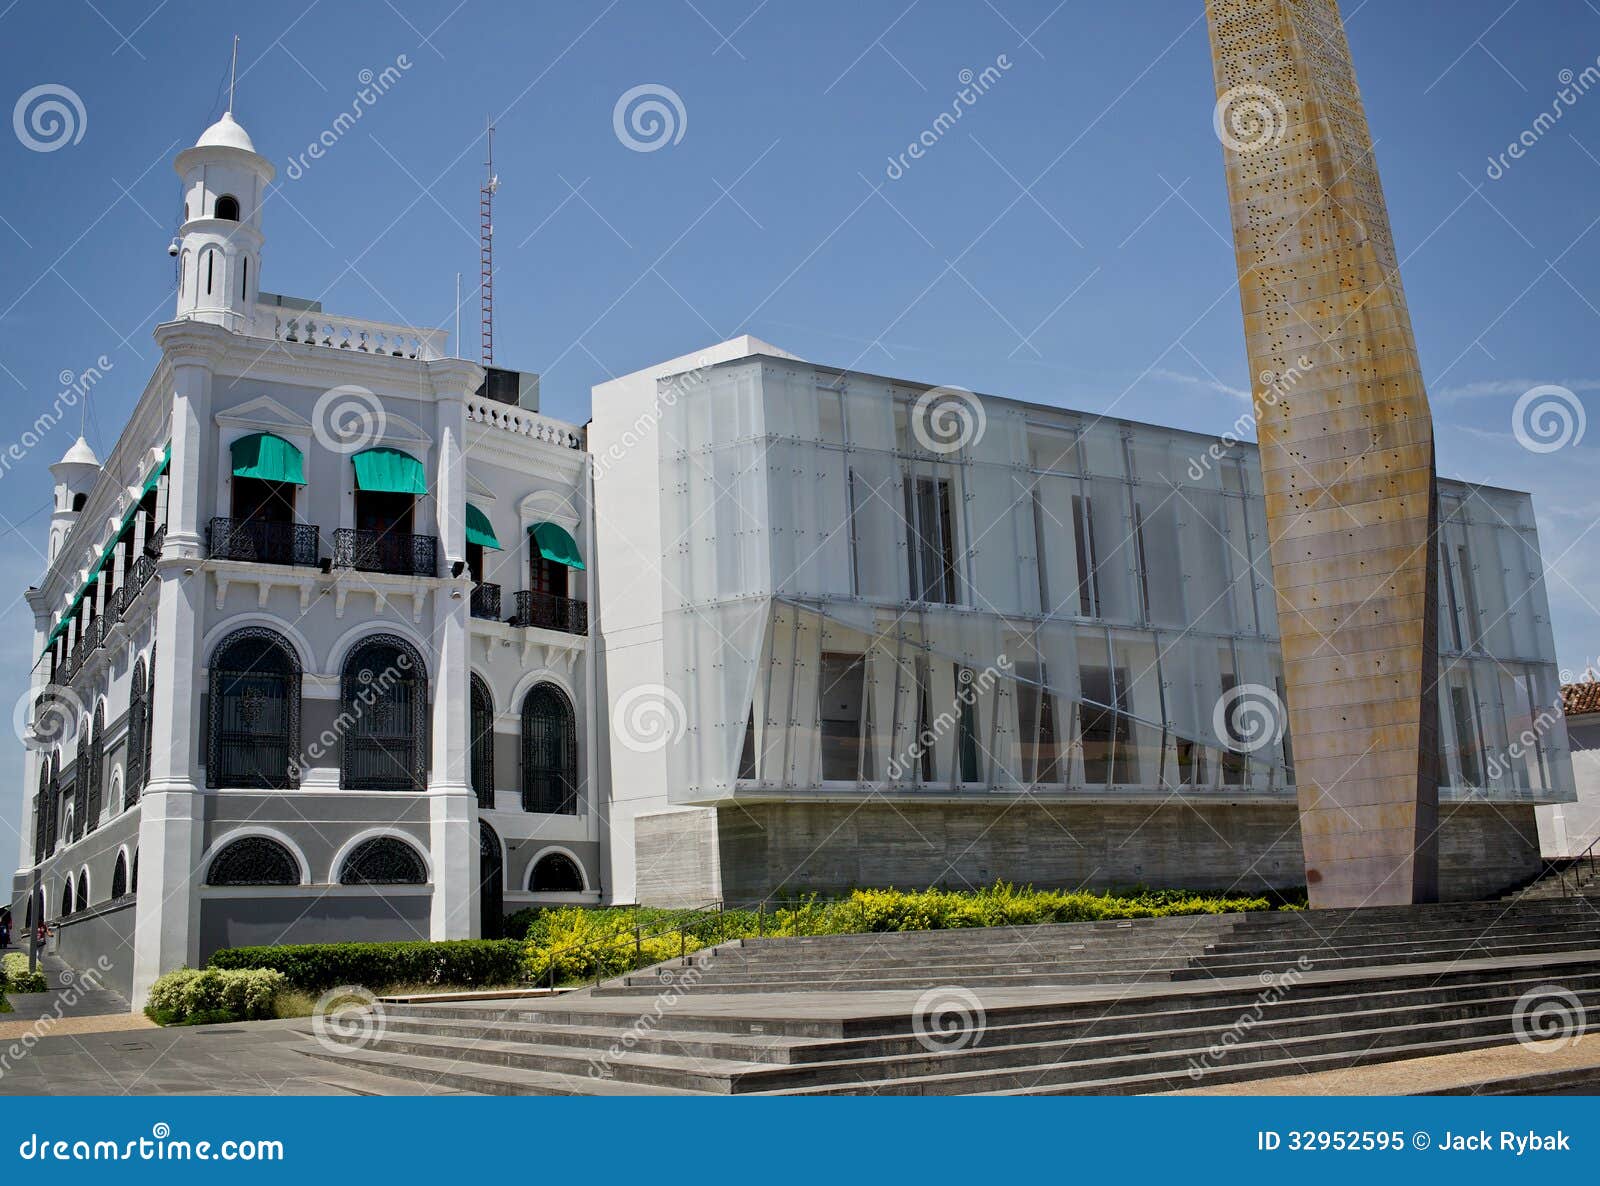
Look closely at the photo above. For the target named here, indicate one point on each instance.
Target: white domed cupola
(74, 476)
(219, 244)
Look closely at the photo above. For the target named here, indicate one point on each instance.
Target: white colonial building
(314, 652)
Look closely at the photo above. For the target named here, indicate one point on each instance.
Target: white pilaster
(166, 934)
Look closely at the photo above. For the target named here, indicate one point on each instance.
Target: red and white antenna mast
(486, 250)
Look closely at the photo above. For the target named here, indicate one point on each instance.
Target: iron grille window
(52, 810)
(119, 878)
(384, 702)
(97, 754)
(149, 732)
(549, 752)
(253, 735)
(138, 706)
(482, 724)
(383, 860)
(265, 541)
(556, 873)
(80, 782)
(41, 804)
(253, 860)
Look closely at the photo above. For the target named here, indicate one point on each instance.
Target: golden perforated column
(1346, 447)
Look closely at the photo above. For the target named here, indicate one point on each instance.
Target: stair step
(478, 1078)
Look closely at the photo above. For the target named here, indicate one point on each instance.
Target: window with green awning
(389, 471)
(556, 545)
(269, 458)
(480, 530)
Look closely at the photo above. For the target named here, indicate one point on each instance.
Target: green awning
(555, 544)
(268, 457)
(479, 529)
(389, 471)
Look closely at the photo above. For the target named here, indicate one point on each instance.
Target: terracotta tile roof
(1581, 698)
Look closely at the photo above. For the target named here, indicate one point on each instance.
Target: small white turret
(219, 244)
(75, 476)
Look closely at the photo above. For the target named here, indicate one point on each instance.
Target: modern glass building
(909, 636)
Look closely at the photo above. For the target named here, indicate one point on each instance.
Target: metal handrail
(680, 925)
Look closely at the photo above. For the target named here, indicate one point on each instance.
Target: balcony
(486, 601)
(265, 543)
(386, 551)
(549, 612)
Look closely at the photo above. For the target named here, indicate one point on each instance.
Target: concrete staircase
(1091, 1008)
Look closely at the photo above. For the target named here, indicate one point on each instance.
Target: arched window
(383, 860)
(253, 739)
(482, 735)
(556, 873)
(211, 268)
(138, 707)
(183, 270)
(244, 280)
(133, 882)
(383, 696)
(66, 898)
(119, 877)
(52, 811)
(228, 208)
(80, 782)
(251, 860)
(150, 722)
(77, 502)
(97, 756)
(83, 889)
(41, 806)
(549, 752)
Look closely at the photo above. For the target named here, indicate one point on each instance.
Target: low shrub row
(192, 996)
(567, 944)
(313, 967)
(18, 978)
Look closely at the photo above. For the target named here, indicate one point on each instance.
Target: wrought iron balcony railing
(386, 551)
(265, 542)
(486, 601)
(550, 612)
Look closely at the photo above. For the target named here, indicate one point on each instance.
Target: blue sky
(1066, 242)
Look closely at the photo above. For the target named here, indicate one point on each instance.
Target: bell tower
(219, 245)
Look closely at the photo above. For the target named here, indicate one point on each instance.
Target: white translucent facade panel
(848, 700)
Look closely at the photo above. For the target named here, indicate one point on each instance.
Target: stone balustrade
(350, 333)
(511, 418)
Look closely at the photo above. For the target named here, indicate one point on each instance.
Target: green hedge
(17, 976)
(465, 963)
(191, 996)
